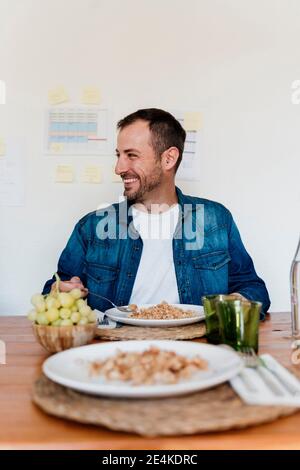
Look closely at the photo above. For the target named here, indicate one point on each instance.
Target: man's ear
(169, 158)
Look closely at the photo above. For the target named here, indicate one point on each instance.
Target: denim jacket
(104, 250)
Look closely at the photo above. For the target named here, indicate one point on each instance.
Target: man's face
(137, 163)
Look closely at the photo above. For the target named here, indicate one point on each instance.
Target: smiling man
(148, 157)
(158, 244)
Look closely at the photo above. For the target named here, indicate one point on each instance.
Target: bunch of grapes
(61, 309)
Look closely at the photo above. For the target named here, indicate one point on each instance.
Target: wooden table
(24, 426)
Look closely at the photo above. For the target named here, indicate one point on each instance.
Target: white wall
(234, 59)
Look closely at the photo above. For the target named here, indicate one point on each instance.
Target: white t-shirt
(156, 279)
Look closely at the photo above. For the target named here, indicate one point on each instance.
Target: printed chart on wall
(12, 173)
(192, 123)
(77, 131)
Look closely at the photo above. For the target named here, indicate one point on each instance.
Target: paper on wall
(91, 174)
(192, 121)
(2, 92)
(189, 168)
(77, 130)
(64, 174)
(12, 174)
(91, 95)
(57, 95)
(56, 147)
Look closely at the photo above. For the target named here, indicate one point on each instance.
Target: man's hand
(240, 296)
(73, 283)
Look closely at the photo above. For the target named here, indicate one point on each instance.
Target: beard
(145, 186)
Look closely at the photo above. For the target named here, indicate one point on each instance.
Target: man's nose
(121, 166)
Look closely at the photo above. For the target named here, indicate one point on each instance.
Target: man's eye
(131, 155)
(117, 155)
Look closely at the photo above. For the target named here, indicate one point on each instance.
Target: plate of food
(143, 369)
(158, 315)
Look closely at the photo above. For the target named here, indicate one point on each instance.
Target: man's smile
(131, 180)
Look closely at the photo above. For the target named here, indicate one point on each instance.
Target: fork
(251, 359)
(122, 309)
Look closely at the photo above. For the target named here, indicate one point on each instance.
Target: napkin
(271, 384)
(104, 322)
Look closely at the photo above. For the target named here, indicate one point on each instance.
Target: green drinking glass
(211, 317)
(238, 322)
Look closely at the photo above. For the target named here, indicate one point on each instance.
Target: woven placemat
(216, 409)
(126, 332)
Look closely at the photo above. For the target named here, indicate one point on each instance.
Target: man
(165, 245)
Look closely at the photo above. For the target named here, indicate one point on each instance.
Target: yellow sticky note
(2, 148)
(64, 174)
(91, 174)
(56, 147)
(192, 121)
(58, 95)
(91, 95)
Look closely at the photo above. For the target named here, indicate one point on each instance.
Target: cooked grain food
(162, 311)
(153, 366)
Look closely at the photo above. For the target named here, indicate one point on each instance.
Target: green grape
(66, 299)
(40, 306)
(32, 315)
(85, 311)
(75, 317)
(80, 303)
(61, 309)
(66, 322)
(42, 319)
(52, 302)
(37, 299)
(52, 314)
(76, 294)
(65, 313)
(92, 317)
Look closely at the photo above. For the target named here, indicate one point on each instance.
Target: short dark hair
(165, 130)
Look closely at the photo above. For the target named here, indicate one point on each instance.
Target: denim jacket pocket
(211, 272)
(100, 280)
(214, 260)
(100, 273)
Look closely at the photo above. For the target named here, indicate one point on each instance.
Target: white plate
(70, 368)
(121, 317)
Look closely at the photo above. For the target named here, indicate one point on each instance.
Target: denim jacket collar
(186, 204)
